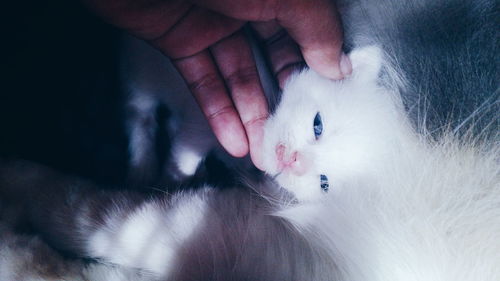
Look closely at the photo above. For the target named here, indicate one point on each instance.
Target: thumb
(316, 27)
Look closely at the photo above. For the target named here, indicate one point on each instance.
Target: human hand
(204, 41)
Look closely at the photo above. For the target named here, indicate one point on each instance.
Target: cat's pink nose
(289, 160)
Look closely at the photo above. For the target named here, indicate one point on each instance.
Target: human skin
(203, 39)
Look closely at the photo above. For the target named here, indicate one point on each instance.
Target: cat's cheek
(304, 188)
(269, 164)
(269, 161)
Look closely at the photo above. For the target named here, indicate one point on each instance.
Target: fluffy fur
(404, 203)
(400, 207)
(363, 125)
(432, 213)
(28, 258)
(413, 210)
(443, 56)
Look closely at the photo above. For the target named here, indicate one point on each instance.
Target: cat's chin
(304, 188)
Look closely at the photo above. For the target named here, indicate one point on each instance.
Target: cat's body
(432, 215)
(402, 204)
(28, 258)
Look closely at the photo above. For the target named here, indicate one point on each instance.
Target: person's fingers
(177, 28)
(315, 26)
(205, 83)
(255, 10)
(282, 51)
(195, 31)
(144, 19)
(237, 66)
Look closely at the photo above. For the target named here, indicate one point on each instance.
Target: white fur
(27, 258)
(149, 237)
(431, 213)
(360, 126)
(400, 207)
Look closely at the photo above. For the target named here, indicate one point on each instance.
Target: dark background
(61, 103)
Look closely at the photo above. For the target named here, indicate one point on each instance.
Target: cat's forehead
(303, 94)
(308, 84)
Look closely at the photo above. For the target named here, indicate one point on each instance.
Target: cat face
(326, 132)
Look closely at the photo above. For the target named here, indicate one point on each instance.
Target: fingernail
(345, 65)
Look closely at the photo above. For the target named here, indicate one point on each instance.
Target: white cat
(373, 199)
(398, 206)
(403, 207)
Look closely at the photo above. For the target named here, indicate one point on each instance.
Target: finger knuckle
(219, 112)
(279, 38)
(255, 120)
(206, 83)
(242, 77)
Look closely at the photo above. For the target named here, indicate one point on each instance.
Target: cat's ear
(366, 63)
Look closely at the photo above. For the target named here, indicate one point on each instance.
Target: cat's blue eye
(317, 125)
(324, 182)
